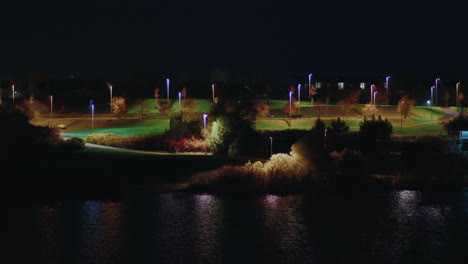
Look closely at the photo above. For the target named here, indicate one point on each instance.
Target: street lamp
(387, 87)
(110, 89)
(310, 78)
(401, 116)
(204, 128)
(212, 91)
(51, 104)
(180, 98)
(271, 146)
(299, 96)
(167, 85)
(13, 93)
(456, 95)
(374, 96)
(436, 81)
(371, 92)
(91, 103)
(432, 95)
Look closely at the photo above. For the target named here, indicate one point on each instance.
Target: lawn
(422, 119)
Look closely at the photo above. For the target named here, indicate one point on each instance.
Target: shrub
(458, 123)
(178, 127)
(338, 126)
(348, 165)
(375, 129)
(164, 106)
(119, 107)
(73, 144)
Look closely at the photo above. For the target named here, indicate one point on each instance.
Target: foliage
(164, 106)
(338, 126)
(143, 107)
(189, 107)
(262, 109)
(405, 105)
(148, 142)
(369, 109)
(458, 123)
(375, 129)
(350, 101)
(119, 107)
(290, 108)
(73, 144)
(178, 127)
(232, 135)
(446, 98)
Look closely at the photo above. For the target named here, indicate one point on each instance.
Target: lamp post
(167, 85)
(375, 96)
(310, 78)
(180, 98)
(51, 109)
(436, 81)
(456, 94)
(204, 128)
(271, 146)
(372, 93)
(299, 96)
(213, 91)
(401, 116)
(290, 107)
(432, 95)
(91, 103)
(387, 87)
(13, 93)
(110, 89)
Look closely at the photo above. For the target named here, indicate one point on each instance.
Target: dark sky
(332, 36)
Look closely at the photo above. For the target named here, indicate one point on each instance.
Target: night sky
(341, 36)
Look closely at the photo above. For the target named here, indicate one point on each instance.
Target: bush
(73, 144)
(348, 166)
(178, 127)
(338, 126)
(375, 129)
(458, 123)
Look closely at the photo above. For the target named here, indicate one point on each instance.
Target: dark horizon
(261, 37)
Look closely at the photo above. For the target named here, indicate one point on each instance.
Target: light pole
(375, 96)
(271, 146)
(401, 116)
(110, 89)
(387, 87)
(204, 128)
(212, 91)
(13, 93)
(51, 109)
(456, 94)
(310, 78)
(91, 103)
(290, 104)
(167, 85)
(180, 98)
(432, 95)
(372, 93)
(436, 81)
(299, 96)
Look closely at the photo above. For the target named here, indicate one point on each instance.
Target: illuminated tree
(350, 101)
(184, 93)
(157, 93)
(189, 106)
(369, 109)
(119, 107)
(143, 106)
(262, 109)
(164, 106)
(290, 108)
(405, 105)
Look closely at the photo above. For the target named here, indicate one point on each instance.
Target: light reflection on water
(403, 227)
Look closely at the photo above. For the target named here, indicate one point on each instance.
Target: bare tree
(405, 105)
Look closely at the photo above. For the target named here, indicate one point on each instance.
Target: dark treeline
(136, 84)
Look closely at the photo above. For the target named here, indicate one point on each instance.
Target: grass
(423, 119)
